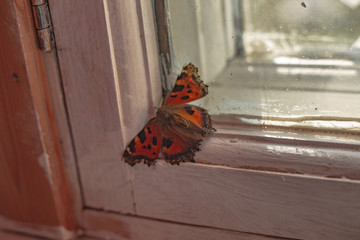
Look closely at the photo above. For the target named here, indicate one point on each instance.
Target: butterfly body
(178, 128)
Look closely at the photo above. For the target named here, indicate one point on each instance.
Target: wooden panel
(161, 14)
(274, 204)
(135, 59)
(37, 230)
(88, 79)
(107, 69)
(34, 192)
(274, 151)
(19, 236)
(112, 226)
(110, 81)
(150, 53)
(13, 236)
(64, 132)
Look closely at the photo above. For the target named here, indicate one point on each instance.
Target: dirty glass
(273, 62)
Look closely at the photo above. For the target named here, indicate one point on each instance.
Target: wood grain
(276, 204)
(33, 186)
(113, 226)
(111, 82)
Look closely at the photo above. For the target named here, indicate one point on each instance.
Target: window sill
(264, 148)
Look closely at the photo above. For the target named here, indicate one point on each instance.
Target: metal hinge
(43, 25)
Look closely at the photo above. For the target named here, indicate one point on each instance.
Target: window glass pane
(273, 62)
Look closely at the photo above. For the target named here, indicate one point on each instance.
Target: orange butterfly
(178, 128)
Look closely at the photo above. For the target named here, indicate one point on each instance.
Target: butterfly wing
(188, 87)
(179, 146)
(178, 128)
(145, 146)
(183, 137)
(196, 118)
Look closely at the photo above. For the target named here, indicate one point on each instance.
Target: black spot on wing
(167, 142)
(189, 110)
(142, 136)
(173, 96)
(178, 88)
(132, 146)
(144, 147)
(185, 97)
(182, 75)
(190, 91)
(149, 146)
(149, 130)
(154, 141)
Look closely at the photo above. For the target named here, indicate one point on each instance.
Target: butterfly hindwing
(180, 146)
(188, 87)
(183, 137)
(145, 146)
(197, 116)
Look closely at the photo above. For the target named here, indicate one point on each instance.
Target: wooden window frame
(35, 197)
(118, 75)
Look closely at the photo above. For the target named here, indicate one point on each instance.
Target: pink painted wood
(269, 186)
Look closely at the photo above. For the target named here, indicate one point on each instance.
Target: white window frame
(267, 182)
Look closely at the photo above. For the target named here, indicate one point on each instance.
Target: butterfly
(178, 128)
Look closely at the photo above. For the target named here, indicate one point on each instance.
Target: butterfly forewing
(145, 146)
(188, 87)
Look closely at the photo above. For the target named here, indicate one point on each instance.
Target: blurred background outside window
(285, 63)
